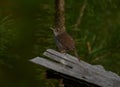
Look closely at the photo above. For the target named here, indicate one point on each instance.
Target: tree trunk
(59, 14)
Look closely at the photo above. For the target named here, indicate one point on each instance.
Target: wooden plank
(71, 61)
(61, 55)
(97, 74)
(58, 59)
(78, 69)
(54, 66)
(60, 68)
(97, 68)
(68, 71)
(52, 54)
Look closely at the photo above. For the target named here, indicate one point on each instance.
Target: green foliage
(25, 34)
(6, 33)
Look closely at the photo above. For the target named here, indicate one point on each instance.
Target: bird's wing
(66, 41)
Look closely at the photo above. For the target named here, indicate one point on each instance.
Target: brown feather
(67, 41)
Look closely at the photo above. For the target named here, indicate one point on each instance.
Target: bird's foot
(63, 51)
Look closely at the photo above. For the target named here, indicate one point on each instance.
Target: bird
(64, 41)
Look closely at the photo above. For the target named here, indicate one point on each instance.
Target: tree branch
(82, 10)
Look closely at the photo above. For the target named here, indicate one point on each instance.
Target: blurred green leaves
(7, 33)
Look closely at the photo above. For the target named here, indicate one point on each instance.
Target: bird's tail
(76, 54)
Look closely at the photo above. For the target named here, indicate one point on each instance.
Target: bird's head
(57, 31)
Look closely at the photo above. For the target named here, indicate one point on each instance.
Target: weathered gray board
(70, 65)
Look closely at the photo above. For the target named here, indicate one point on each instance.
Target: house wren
(64, 41)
